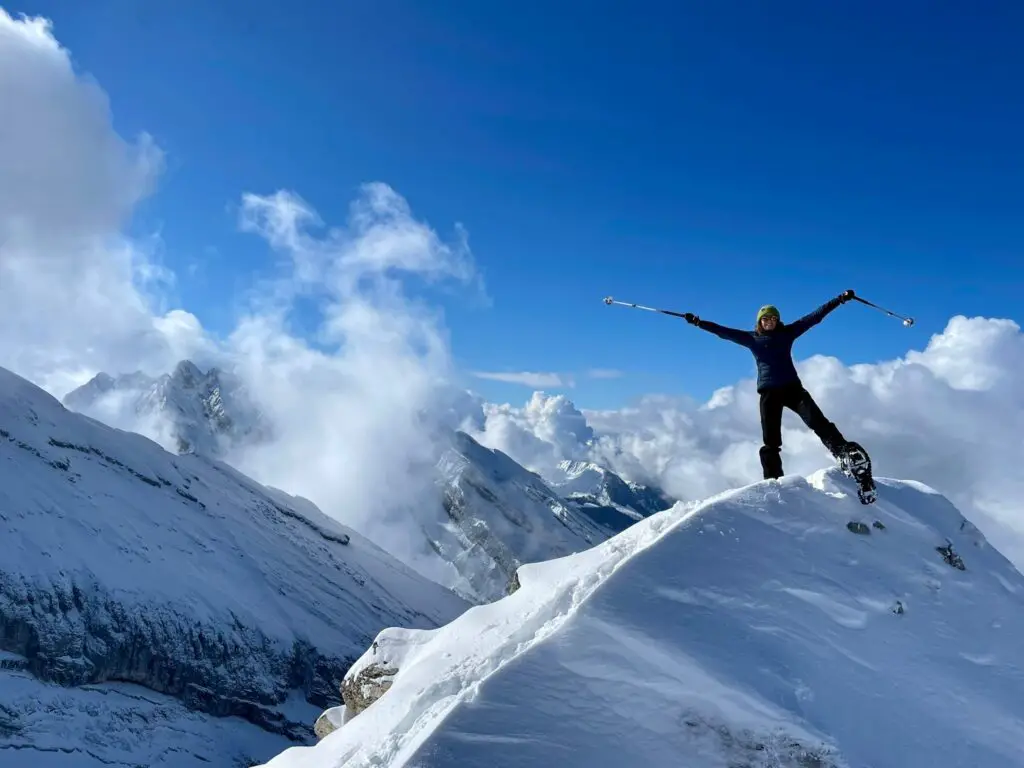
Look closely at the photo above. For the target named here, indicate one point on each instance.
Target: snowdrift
(781, 624)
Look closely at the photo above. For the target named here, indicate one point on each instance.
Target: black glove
(845, 296)
(691, 318)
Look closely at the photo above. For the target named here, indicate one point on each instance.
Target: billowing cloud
(547, 430)
(355, 416)
(75, 295)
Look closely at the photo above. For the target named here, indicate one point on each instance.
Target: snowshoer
(778, 384)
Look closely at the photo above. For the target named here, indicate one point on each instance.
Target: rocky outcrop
(745, 748)
(365, 682)
(329, 721)
(74, 633)
(358, 692)
(371, 682)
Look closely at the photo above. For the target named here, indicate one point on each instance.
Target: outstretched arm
(743, 338)
(802, 325)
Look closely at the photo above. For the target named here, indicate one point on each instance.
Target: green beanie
(767, 309)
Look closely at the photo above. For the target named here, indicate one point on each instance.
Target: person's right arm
(735, 335)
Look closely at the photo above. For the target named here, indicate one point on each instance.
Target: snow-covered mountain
(780, 625)
(604, 496)
(497, 516)
(187, 410)
(162, 590)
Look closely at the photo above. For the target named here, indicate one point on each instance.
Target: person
(778, 383)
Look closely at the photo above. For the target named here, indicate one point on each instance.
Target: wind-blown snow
(124, 562)
(752, 629)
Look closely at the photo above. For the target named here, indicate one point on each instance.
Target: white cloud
(547, 430)
(604, 373)
(355, 417)
(74, 294)
(526, 378)
(950, 415)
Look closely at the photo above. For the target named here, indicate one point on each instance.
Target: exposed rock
(858, 527)
(74, 634)
(513, 583)
(951, 557)
(365, 687)
(747, 749)
(329, 721)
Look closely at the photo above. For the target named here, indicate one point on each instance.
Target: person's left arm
(811, 319)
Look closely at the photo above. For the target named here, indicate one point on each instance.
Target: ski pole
(907, 321)
(609, 300)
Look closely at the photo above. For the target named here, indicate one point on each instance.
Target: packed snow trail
(754, 629)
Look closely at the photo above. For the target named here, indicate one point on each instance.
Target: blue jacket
(773, 351)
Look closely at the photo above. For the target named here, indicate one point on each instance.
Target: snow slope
(754, 629)
(123, 562)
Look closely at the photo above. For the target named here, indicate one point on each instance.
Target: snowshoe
(855, 462)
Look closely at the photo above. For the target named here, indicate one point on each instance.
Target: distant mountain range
(490, 515)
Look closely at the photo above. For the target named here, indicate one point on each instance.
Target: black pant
(796, 398)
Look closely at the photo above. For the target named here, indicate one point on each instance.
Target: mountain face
(780, 625)
(610, 501)
(497, 516)
(205, 413)
(162, 591)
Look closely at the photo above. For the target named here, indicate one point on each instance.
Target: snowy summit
(186, 410)
(780, 625)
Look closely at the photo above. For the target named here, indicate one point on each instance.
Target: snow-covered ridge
(123, 562)
(781, 625)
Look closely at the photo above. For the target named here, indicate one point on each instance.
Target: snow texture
(123, 562)
(761, 628)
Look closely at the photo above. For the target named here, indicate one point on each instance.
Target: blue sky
(696, 156)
